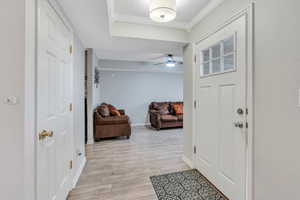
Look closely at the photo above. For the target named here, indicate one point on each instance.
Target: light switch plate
(12, 100)
(299, 98)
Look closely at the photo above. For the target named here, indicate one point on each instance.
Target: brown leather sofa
(111, 126)
(160, 120)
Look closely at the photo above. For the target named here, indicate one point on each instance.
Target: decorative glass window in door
(219, 58)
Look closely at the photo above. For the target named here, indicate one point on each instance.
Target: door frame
(30, 95)
(249, 13)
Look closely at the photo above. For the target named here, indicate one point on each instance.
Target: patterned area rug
(185, 185)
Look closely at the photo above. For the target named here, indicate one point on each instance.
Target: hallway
(119, 169)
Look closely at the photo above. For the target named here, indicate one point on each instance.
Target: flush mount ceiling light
(163, 10)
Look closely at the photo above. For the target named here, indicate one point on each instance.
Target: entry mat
(185, 185)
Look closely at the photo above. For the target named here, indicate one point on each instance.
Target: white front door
(54, 116)
(221, 109)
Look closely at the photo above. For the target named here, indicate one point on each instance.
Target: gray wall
(277, 81)
(12, 79)
(78, 101)
(134, 91)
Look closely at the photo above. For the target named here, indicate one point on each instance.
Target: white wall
(276, 87)
(78, 102)
(12, 79)
(277, 82)
(134, 91)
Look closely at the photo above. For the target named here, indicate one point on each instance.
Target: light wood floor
(119, 169)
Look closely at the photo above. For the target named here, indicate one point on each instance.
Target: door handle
(45, 134)
(239, 124)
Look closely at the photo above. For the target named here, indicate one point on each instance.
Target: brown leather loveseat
(163, 115)
(109, 125)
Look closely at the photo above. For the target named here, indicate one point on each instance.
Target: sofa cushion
(123, 119)
(169, 118)
(180, 117)
(178, 108)
(164, 109)
(103, 110)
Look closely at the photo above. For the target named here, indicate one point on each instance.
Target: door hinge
(71, 49)
(247, 111)
(71, 164)
(247, 125)
(195, 59)
(195, 104)
(195, 149)
(71, 107)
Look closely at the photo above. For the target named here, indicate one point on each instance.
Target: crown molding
(186, 26)
(203, 13)
(147, 21)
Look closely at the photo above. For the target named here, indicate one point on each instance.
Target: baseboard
(140, 124)
(90, 141)
(188, 161)
(79, 171)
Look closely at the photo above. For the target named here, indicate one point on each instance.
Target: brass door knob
(45, 134)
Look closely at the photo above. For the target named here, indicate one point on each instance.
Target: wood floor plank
(119, 169)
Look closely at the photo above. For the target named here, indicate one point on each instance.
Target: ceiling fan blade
(160, 63)
(158, 58)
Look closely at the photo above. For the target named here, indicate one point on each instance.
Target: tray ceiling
(186, 9)
(189, 12)
(122, 30)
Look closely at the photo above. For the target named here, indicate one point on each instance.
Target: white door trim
(30, 88)
(249, 13)
(30, 101)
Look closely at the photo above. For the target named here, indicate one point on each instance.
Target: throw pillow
(103, 111)
(178, 108)
(115, 113)
(111, 107)
(164, 109)
(113, 110)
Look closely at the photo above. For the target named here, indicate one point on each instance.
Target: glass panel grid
(228, 45)
(216, 51)
(216, 66)
(219, 58)
(228, 62)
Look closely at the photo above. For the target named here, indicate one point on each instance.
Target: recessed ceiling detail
(122, 29)
(188, 12)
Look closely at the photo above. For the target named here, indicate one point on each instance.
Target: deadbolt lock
(240, 111)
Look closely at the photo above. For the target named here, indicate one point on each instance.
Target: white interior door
(54, 115)
(221, 111)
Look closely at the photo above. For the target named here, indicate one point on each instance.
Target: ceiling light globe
(163, 10)
(170, 65)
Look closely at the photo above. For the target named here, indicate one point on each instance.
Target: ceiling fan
(170, 61)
